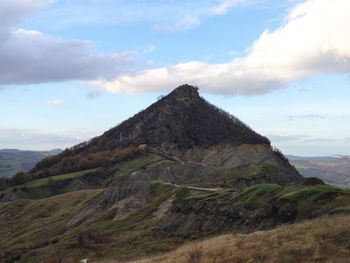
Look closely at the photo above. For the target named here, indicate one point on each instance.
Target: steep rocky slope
(181, 126)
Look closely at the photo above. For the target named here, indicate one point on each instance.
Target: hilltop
(179, 121)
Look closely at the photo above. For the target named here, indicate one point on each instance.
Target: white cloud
(287, 138)
(29, 56)
(225, 6)
(32, 57)
(313, 40)
(301, 138)
(11, 11)
(306, 116)
(55, 102)
(320, 140)
(42, 140)
(185, 23)
(233, 53)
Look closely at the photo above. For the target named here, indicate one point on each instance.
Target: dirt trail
(197, 188)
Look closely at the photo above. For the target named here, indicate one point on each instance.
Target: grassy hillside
(46, 187)
(28, 226)
(86, 179)
(150, 205)
(39, 230)
(325, 239)
(45, 181)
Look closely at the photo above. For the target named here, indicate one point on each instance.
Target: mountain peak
(185, 92)
(181, 119)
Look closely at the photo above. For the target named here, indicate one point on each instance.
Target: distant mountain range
(13, 160)
(334, 169)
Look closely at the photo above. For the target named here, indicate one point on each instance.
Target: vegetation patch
(28, 225)
(181, 194)
(253, 195)
(129, 166)
(45, 181)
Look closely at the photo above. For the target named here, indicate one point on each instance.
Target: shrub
(19, 178)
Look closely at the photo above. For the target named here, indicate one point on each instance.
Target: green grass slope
(86, 179)
(37, 231)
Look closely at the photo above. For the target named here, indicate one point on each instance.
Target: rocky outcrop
(124, 196)
(198, 217)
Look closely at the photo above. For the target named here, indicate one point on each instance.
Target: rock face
(182, 119)
(197, 218)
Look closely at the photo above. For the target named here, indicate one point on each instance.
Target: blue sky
(71, 69)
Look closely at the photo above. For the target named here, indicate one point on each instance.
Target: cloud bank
(12, 11)
(39, 140)
(30, 57)
(311, 41)
(55, 102)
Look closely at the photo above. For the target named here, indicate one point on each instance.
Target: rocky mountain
(13, 160)
(182, 126)
(181, 169)
(334, 170)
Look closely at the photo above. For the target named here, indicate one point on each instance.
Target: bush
(19, 178)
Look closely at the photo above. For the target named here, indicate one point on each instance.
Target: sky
(72, 69)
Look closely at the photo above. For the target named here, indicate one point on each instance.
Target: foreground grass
(325, 239)
(45, 181)
(31, 223)
(37, 230)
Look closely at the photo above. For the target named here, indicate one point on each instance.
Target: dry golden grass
(324, 239)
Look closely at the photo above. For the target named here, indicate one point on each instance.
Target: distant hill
(333, 170)
(13, 161)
